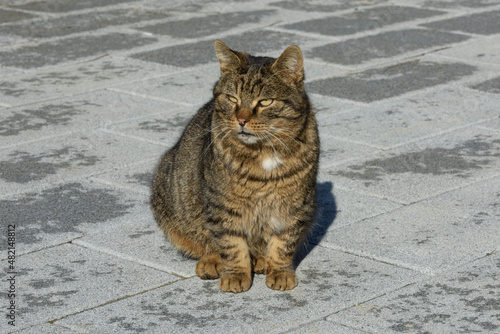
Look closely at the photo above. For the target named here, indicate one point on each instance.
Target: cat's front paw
(209, 266)
(281, 280)
(259, 265)
(235, 282)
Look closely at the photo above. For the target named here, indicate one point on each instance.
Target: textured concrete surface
(408, 228)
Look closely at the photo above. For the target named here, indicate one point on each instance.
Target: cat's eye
(266, 102)
(232, 99)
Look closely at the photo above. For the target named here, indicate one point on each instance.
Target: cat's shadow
(326, 213)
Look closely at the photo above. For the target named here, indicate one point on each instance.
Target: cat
(238, 190)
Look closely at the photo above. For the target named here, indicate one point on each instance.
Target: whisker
(213, 140)
(286, 133)
(282, 143)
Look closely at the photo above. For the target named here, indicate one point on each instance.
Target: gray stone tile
(486, 23)
(338, 207)
(395, 122)
(362, 20)
(381, 83)
(70, 157)
(60, 213)
(99, 109)
(493, 125)
(137, 178)
(51, 83)
(52, 53)
(7, 16)
(328, 281)
(432, 236)
(462, 301)
(325, 327)
(76, 23)
(489, 86)
(139, 240)
(260, 42)
(47, 328)
(457, 3)
(164, 128)
(326, 107)
(424, 169)
(335, 152)
(69, 279)
(193, 87)
(484, 50)
(322, 6)
(62, 6)
(207, 25)
(384, 45)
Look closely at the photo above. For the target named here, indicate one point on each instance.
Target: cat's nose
(242, 121)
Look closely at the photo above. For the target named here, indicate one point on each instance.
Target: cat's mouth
(247, 137)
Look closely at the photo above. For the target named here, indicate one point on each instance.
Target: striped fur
(237, 191)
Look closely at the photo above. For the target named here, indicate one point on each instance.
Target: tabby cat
(238, 191)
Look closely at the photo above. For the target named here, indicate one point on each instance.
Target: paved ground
(407, 93)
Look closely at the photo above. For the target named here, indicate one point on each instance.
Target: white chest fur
(270, 163)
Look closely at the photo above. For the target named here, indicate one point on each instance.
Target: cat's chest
(270, 162)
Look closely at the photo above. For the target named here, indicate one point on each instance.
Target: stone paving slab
(486, 23)
(462, 301)
(52, 83)
(78, 279)
(60, 213)
(483, 50)
(364, 19)
(96, 110)
(325, 327)
(73, 48)
(405, 94)
(426, 168)
(364, 49)
(191, 305)
(69, 157)
(390, 81)
(434, 235)
(47, 328)
(78, 23)
(395, 122)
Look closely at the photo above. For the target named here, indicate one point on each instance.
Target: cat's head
(260, 100)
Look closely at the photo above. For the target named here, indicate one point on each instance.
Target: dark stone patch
(62, 6)
(42, 283)
(208, 25)
(140, 234)
(52, 53)
(185, 55)
(315, 6)
(24, 167)
(9, 88)
(162, 126)
(255, 43)
(33, 302)
(363, 20)
(377, 84)
(59, 210)
(356, 51)
(75, 23)
(460, 161)
(35, 119)
(144, 179)
(486, 23)
(7, 16)
(490, 86)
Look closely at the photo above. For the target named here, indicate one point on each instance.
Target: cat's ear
(229, 60)
(290, 65)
